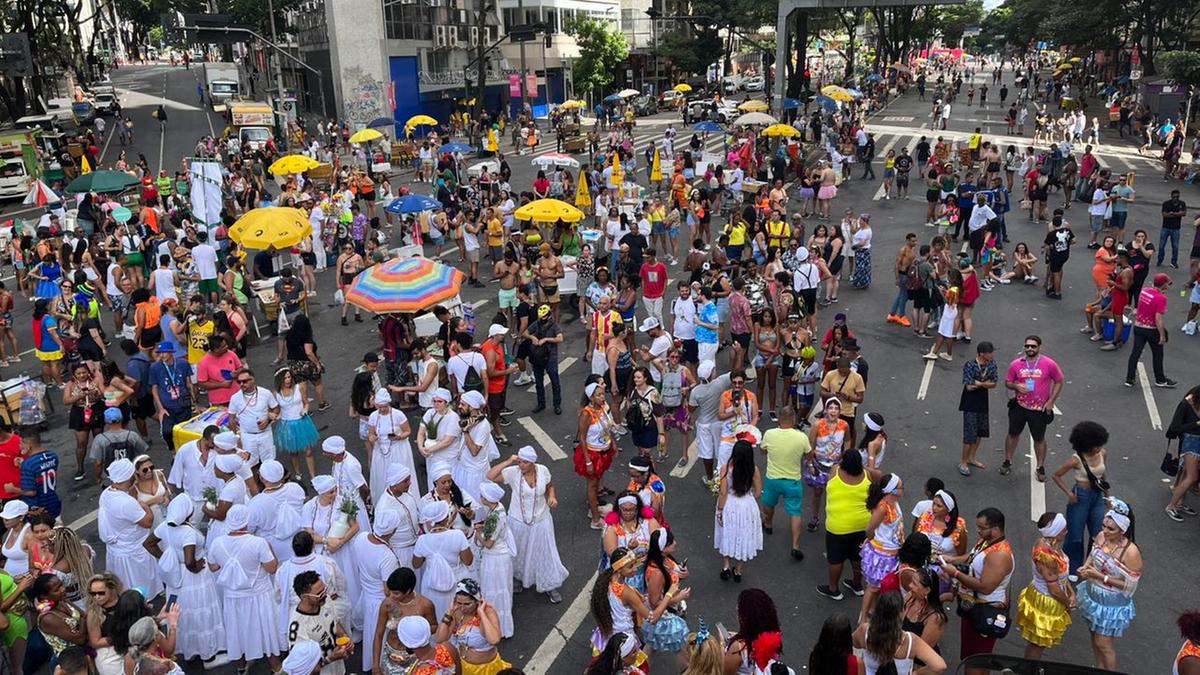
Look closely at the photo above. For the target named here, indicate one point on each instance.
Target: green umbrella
(121, 214)
(101, 181)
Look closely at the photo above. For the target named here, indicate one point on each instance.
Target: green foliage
(602, 49)
(954, 19)
(155, 35)
(1181, 66)
(689, 53)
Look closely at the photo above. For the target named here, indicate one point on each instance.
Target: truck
(18, 162)
(251, 122)
(222, 82)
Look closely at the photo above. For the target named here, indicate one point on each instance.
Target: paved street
(918, 399)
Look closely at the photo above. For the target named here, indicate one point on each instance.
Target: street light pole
(278, 71)
(654, 14)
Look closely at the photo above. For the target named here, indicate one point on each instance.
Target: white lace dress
(738, 533)
(537, 563)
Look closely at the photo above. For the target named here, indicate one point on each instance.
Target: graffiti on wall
(364, 96)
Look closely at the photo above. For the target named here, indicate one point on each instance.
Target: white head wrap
(892, 485)
(872, 421)
(590, 390)
(435, 512)
(1056, 526)
(334, 445)
(413, 632)
(226, 440)
(229, 463)
(323, 484)
(946, 499)
(473, 399)
(386, 522)
(628, 499)
(271, 471)
(527, 454)
(398, 473)
(628, 647)
(303, 658)
(1122, 521)
(443, 394)
(237, 517)
(383, 397)
(121, 470)
(439, 471)
(180, 510)
(491, 492)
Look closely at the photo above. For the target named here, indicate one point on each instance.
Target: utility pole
(521, 20)
(278, 75)
(654, 14)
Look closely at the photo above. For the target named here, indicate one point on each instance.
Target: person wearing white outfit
(124, 525)
(252, 410)
(347, 474)
(478, 446)
(375, 561)
(304, 560)
(16, 558)
(181, 566)
(399, 498)
(537, 563)
(442, 555)
(244, 566)
(439, 437)
(275, 512)
(192, 468)
(232, 492)
(496, 550)
(228, 443)
(461, 503)
(738, 533)
(331, 529)
(387, 441)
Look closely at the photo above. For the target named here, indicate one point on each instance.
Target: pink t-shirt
(654, 280)
(1041, 372)
(1151, 301)
(219, 369)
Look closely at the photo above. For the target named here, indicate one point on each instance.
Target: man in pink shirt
(1149, 328)
(654, 284)
(214, 373)
(1037, 381)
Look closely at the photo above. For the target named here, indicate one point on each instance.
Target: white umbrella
(755, 118)
(626, 93)
(40, 194)
(555, 159)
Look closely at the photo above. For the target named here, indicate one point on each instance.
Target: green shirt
(785, 452)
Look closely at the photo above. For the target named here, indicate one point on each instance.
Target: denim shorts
(1189, 444)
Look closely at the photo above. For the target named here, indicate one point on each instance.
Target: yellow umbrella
(583, 196)
(618, 174)
(682, 87)
(1076, 59)
(84, 166)
(268, 226)
(656, 167)
(417, 120)
(1065, 66)
(549, 211)
(754, 106)
(837, 93)
(781, 130)
(572, 105)
(365, 135)
(293, 164)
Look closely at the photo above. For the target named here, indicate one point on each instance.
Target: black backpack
(635, 417)
(118, 448)
(472, 380)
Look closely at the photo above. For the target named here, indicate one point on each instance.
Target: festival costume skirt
(1041, 619)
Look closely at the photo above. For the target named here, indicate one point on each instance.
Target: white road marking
(682, 471)
(561, 631)
(562, 366)
(84, 520)
(924, 388)
(104, 150)
(542, 438)
(1057, 412)
(1037, 490)
(479, 303)
(162, 128)
(1148, 395)
(883, 154)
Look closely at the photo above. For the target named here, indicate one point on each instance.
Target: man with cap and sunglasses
(173, 390)
(498, 371)
(543, 337)
(124, 524)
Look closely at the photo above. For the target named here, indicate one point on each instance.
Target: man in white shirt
(1099, 211)
(347, 475)
(162, 280)
(945, 114)
(655, 355)
(683, 309)
(460, 363)
(252, 410)
(614, 231)
(192, 469)
(204, 256)
(981, 215)
(304, 560)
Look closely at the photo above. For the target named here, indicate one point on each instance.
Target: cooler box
(1110, 328)
(193, 429)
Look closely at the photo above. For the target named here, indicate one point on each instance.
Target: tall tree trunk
(797, 52)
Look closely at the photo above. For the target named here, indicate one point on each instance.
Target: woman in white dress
(331, 530)
(376, 562)
(124, 525)
(244, 566)
(738, 532)
(275, 512)
(462, 504)
(387, 440)
(232, 491)
(478, 448)
(536, 562)
(442, 555)
(151, 488)
(398, 498)
(439, 437)
(183, 571)
(496, 548)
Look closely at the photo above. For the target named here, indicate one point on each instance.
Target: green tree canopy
(1181, 66)
(602, 49)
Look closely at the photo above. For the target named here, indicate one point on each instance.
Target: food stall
(193, 429)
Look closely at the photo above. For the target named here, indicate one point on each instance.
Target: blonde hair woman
(703, 652)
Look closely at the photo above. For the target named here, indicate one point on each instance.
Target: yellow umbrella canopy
(781, 130)
(683, 87)
(549, 211)
(417, 120)
(268, 226)
(572, 104)
(754, 106)
(293, 164)
(365, 135)
(837, 93)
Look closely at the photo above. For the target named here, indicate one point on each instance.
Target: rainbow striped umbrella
(407, 285)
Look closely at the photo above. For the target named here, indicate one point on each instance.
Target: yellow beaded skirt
(1041, 619)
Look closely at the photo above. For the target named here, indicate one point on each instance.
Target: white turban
(397, 474)
(323, 484)
(383, 397)
(226, 440)
(334, 445)
(386, 522)
(303, 658)
(590, 390)
(237, 517)
(1054, 527)
(120, 471)
(271, 471)
(180, 509)
(473, 399)
(413, 632)
(527, 454)
(491, 492)
(439, 471)
(442, 393)
(433, 513)
(229, 463)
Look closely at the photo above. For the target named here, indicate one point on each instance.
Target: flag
(583, 198)
(656, 168)
(618, 175)
(84, 166)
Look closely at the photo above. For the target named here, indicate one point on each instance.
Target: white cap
(334, 445)
(226, 440)
(226, 463)
(439, 470)
(649, 324)
(14, 509)
(271, 471)
(491, 492)
(496, 329)
(443, 393)
(802, 254)
(705, 371)
(473, 399)
(303, 658)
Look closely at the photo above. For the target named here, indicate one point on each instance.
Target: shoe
(726, 573)
(504, 422)
(737, 577)
(1174, 515)
(831, 594)
(891, 318)
(505, 412)
(773, 416)
(929, 356)
(903, 321)
(964, 469)
(555, 596)
(1110, 347)
(345, 322)
(557, 410)
(1189, 328)
(522, 380)
(797, 555)
(597, 525)
(1041, 474)
(1128, 383)
(812, 525)
(219, 659)
(1086, 330)
(325, 405)
(966, 339)
(856, 589)
(1031, 279)
(358, 318)
(945, 357)
(1175, 265)
(79, 474)
(538, 409)
(1096, 338)
(1185, 510)
(1167, 384)
(1006, 468)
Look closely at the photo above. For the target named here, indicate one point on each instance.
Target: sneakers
(892, 318)
(1129, 383)
(1185, 510)
(945, 357)
(929, 356)
(1189, 328)
(854, 588)
(1167, 384)
(1006, 468)
(1110, 347)
(832, 594)
(1041, 474)
(522, 380)
(505, 412)
(1173, 515)
(903, 321)
(79, 474)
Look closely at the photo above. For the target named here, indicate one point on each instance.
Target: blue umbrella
(854, 92)
(827, 103)
(873, 77)
(706, 126)
(381, 123)
(456, 147)
(412, 204)
(612, 98)
(790, 104)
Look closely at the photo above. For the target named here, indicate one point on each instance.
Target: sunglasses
(96, 594)
(245, 381)
(146, 469)
(1031, 346)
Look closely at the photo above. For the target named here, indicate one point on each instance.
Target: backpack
(912, 278)
(635, 417)
(118, 448)
(472, 380)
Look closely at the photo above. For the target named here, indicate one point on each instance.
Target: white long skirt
(138, 569)
(739, 535)
(345, 563)
(201, 623)
(401, 453)
(495, 579)
(370, 608)
(109, 662)
(251, 625)
(537, 564)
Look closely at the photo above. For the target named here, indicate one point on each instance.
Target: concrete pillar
(358, 60)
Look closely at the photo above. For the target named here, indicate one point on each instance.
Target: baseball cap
(112, 415)
(1162, 279)
(705, 371)
(649, 324)
(370, 357)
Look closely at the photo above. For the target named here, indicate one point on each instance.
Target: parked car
(644, 105)
(708, 109)
(105, 103)
(755, 83)
(83, 111)
(670, 99)
(731, 83)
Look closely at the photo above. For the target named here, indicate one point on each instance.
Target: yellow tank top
(846, 506)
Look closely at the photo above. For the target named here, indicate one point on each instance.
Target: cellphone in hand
(171, 600)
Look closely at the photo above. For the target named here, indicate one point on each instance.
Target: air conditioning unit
(452, 36)
(475, 36)
(439, 37)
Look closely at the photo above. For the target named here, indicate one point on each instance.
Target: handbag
(987, 620)
(1170, 463)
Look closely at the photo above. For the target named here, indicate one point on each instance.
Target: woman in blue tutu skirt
(294, 431)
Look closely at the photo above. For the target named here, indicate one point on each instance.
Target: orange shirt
(495, 383)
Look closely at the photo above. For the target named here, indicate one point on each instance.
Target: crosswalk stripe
(562, 366)
(543, 439)
(880, 155)
(682, 471)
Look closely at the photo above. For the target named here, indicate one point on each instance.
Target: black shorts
(808, 299)
(1057, 262)
(78, 421)
(143, 408)
(932, 196)
(976, 239)
(690, 352)
(920, 299)
(1020, 416)
(842, 547)
(624, 377)
(742, 339)
(901, 179)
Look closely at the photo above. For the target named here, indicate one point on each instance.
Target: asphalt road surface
(918, 399)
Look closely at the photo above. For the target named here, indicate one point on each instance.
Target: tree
(954, 19)
(1183, 67)
(689, 51)
(602, 49)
